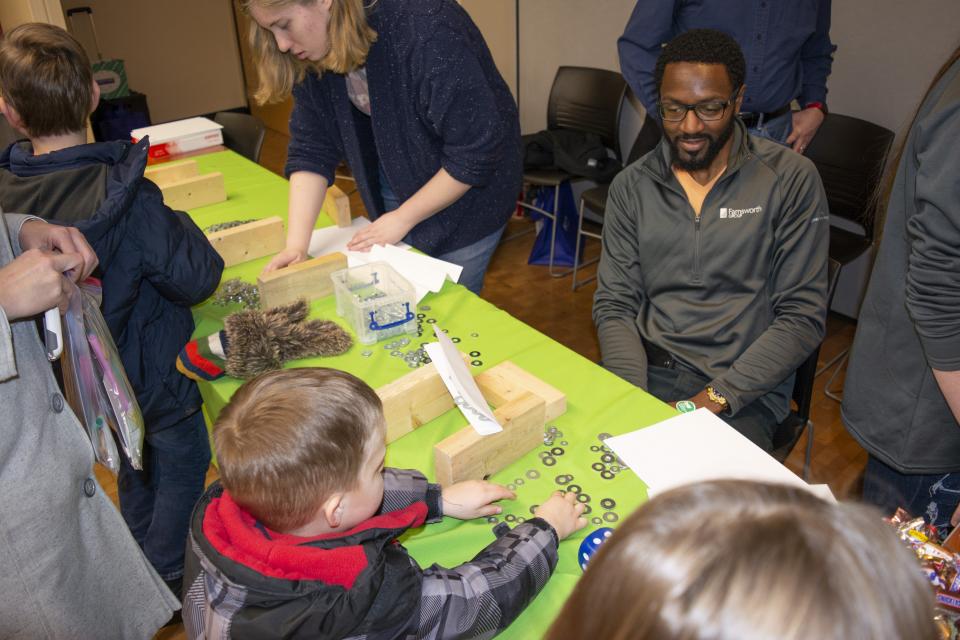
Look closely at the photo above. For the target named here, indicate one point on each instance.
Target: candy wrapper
(96, 385)
(939, 564)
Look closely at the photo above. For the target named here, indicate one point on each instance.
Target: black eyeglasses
(706, 111)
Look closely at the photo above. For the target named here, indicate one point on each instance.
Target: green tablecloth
(597, 401)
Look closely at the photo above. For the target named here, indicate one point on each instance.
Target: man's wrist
(816, 105)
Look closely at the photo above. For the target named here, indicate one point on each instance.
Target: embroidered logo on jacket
(739, 213)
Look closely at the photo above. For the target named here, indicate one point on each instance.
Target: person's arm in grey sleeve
(14, 221)
(650, 25)
(619, 294)
(480, 598)
(816, 59)
(403, 487)
(799, 294)
(933, 264)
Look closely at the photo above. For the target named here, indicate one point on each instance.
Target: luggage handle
(93, 27)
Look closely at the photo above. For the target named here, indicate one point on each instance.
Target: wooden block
(309, 279)
(165, 174)
(197, 191)
(506, 381)
(341, 206)
(466, 455)
(413, 400)
(249, 241)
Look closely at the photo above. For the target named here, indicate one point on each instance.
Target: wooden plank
(413, 400)
(341, 207)
(466, 455)
(249, 241)
(198, 191)
(165, 174)
(506, 381)
(309, 279)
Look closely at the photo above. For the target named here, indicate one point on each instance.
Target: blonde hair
(290, 438)
(349, 35)
(736, 560)
(45, 76)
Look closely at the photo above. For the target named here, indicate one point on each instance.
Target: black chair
(595, 199)
(850, 155)
(788, 432)
(582, 99)
(242, 133)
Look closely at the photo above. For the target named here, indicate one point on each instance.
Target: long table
(597, 401)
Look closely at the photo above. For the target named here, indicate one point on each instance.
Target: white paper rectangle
(694, 447)
(332, 239)
(461, 385)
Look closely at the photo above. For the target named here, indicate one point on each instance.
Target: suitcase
(109, 74)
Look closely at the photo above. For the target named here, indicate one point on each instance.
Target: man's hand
(805, 125)
(390, 228)
(35, 234)
(703, 400)
(473, 499)
(563, 512)
(34, 282)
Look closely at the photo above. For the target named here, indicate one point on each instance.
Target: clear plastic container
(377, 301)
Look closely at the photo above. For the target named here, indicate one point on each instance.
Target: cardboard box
(180, 136)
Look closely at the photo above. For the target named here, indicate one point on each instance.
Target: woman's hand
(473, 498)
(36, 234)
(285, 258)
(390, 228)
(34, 282)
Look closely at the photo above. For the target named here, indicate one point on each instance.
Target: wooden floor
(550, 306)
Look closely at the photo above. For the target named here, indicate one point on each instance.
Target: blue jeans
(754, 421)
(474, 258)
(932, 496)
(777, 129)
(156, 503)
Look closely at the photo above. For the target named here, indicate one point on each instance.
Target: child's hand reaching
(563, 512)
(473, 498)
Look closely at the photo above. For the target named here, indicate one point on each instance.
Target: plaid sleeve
(480, 598)
(403, 487)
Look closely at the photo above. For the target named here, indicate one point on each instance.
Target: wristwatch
(717, 398)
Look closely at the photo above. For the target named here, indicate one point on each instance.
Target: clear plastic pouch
(96, 384)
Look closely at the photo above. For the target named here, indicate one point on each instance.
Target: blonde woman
(737, 560)
(406, 92)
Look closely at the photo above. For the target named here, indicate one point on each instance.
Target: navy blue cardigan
(437, 101)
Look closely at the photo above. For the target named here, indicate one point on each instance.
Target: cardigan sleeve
(458, 103)
(312, 144)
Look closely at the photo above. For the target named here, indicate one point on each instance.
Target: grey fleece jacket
(910, 320)
(737, 296)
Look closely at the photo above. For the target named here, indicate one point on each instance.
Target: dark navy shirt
(786, 44)
(437, 101)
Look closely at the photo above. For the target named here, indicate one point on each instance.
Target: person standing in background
(901, 399)
(786, 44)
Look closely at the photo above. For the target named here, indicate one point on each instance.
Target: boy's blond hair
(348, 33)
(45, 76)
(290, 438)
(737, 560)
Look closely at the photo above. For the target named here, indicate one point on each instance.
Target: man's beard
(706, 155)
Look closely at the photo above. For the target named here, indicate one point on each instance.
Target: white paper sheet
(698, 446)
(330, 239)
(461, 385)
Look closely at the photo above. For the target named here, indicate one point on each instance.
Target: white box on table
(378, 302)
(180, 136)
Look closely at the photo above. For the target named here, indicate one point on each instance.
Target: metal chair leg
(835, 395)
(834, 360)
(809, 453)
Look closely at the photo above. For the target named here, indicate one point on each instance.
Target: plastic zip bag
(96, 384)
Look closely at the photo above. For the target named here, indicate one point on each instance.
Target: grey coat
(910, 320)
(69, 568)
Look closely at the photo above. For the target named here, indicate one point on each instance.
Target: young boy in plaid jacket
(299, 539)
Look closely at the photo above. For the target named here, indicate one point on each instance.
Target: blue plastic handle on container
(375, 326)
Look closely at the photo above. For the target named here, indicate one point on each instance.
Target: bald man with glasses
(713, 274)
